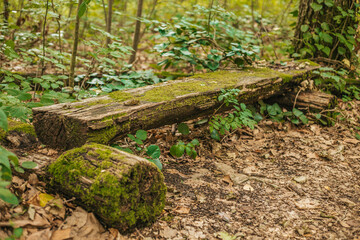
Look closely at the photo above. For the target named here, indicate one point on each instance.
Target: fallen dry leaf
(228, 180)
(182, 210)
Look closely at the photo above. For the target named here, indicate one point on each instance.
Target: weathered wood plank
(104, 118)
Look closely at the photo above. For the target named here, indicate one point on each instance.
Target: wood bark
(6, 11)
(137, 31)
(123, 190)
(109, 21)
(106, 118)
(70, 82)
(314, 19)
(310, 100)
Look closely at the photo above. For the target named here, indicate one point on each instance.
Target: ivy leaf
(341, 50)
(326, 50)
(304, 28)
(316, 7)
(326, 37)
(329, 3)
(325, 26)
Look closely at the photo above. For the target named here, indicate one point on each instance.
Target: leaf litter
(279, 182)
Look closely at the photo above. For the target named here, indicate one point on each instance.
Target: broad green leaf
(8, 196)
(183, 128)
(329, 3)
(297, 112)
(326, 50)
(153, 151)
(17, 232)
(177, 150)
(157, 163)
(304, 28)
(215, 135)
(141, 134)
(82, 9)
(316, 7)
(28, 165)
(195, 142)
(3, 120)
(357, 135)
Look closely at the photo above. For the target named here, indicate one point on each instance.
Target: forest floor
(278, 181)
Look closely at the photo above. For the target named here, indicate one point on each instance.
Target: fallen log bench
(123, 190)
(105, 118)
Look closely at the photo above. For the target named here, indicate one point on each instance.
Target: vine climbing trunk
(326, 29)
(75, 45)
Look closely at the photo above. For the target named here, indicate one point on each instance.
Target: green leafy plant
(331, 38)
(275, 112)
(329, 78)
(241, 116)
(153, 151)
(206, 38)
(180, 149)
(8, 160)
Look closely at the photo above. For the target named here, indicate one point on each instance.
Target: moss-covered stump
(106, 118)
(19, 134)
(123, 190)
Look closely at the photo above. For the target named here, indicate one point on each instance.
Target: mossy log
(310, 100)
(19, 134)
(103, 119)
(123, 190)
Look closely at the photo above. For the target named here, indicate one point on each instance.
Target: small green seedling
(180, 149)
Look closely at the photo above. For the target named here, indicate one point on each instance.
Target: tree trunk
(123, 190)
(137, 31)
(109, 21)
(6, 11)
(75, 46)
(323, 31)
(106, 118)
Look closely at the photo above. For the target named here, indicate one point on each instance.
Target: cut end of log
(123, 190)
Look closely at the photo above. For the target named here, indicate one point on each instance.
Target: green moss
(103, 136)
(104, 101)
(121, 96)
(16, 126)
(172, 75)
(122, 203)
(200, 83)
(311, 63)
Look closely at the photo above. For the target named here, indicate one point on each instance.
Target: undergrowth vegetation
(35, 52)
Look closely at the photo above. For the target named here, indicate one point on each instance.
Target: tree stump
(123, 190)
